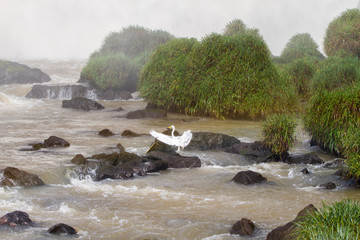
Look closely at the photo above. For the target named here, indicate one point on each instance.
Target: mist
(73, 29)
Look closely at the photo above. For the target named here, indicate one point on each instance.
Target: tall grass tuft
(279, 133)
(340, 220)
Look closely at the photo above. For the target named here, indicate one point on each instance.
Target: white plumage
(179, 141)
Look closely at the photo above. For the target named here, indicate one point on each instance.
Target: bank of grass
(340, 220)
(221, 76)
(279, 134)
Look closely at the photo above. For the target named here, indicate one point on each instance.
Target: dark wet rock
(305, 171)
(243, 227)
(37, 146)
(82, 104)
(248, 177)
(328, 185)
(175, 161)
(10, 177)
(121, 165)
(129, 133)
(16, 218)
(338, 162)
(155, 165)
(16, 73)
(310, 158)
(210, 141)
(146, 113)
(351, 181)
(162, 147)
(120, 147)
(256, 151)
(55, 141)
(79, 159)
(112, 94)
(286, 232)
(62, 229)
(106, 133)
(57, 92)
(119, 109)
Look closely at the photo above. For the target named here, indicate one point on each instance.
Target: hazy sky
(63, 29)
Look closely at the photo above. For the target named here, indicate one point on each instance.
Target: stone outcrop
(309, 158)
(82, 104)
(175, 161)
(286, 232)
(11, 177)
(210, 141)
(129, 133)
(244, 227)
(52, 141)
(248, 178)
(256, 151)
(57, 92)
(16, 218)
(16, 73)
(106, 133)
(62, 229)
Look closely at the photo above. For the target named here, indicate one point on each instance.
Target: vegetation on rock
(118, 62)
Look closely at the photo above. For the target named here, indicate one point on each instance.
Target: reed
(340, 220)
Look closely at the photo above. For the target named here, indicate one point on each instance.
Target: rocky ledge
(16, 73)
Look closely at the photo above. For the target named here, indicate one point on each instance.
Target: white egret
(179, 141)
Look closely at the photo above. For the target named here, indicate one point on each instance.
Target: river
(181, 204)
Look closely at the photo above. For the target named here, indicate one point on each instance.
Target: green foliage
(351, 145)
(235, 27)
(340, 220)
(336, 72)
(331, 114)
(279, 133)
(299, 46)
(343, 34)
(111, 71)
(118, 62)
(300, 73)
(221, 76)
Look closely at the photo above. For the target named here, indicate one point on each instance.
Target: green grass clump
(279, 133)
(300, 46)
(336, 72)
(117, 64)
(221, 76)
(351, 145)
(331, 114)
(343, 34)
(340, 220)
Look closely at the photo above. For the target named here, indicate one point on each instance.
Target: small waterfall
(4, 98)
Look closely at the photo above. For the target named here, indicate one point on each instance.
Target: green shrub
(300, 73)
(221, 76)
(351, 145)
(279, 133)
(118, 62)
(343, 34)
(235, 27)
(340, 220)
(336, 72)
(299, 46)
(331, 114)
(111, 71)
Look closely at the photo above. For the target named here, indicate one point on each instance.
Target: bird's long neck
(172, 132)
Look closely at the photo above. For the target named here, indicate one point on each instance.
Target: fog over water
(64, 29)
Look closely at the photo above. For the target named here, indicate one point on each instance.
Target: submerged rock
(243, 227)
(129, 133)
(82, 104)
(54, 141)
(248, 177)
(309, 158)
(286, 232)
(146, 113)
(16, 73)
(106, 133)
(176, 161)
(256, 151)
(12, 177)
(16, 218)
(328, 185)
(62, 229)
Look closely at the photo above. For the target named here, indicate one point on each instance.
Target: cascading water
(201, 203)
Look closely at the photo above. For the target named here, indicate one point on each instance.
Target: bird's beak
(169, 127)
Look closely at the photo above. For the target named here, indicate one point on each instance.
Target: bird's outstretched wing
(164, 138)
(186, 138)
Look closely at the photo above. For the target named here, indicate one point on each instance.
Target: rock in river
(248, 177)
(16, 218)
(62, 229)
(82, 104)
(11, 177)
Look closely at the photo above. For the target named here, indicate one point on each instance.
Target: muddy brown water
(199, 203)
